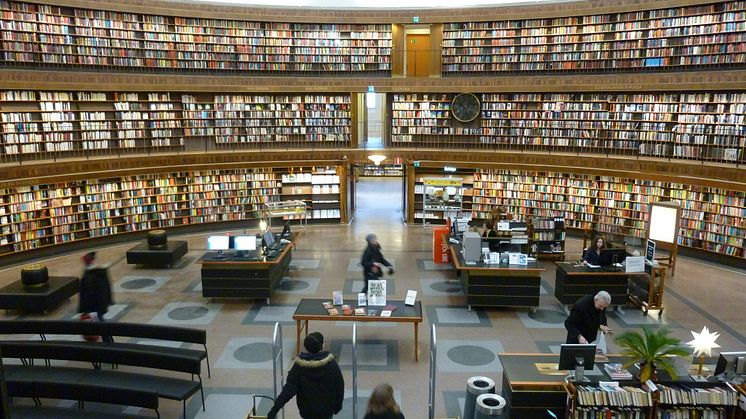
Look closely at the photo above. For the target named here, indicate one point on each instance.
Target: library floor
(326, 259)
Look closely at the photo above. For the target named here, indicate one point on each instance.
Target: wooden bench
(78, 383)
(116, 329)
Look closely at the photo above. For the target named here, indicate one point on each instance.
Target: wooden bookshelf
(665, 39)
(40, 125)
(68, 37)
(547, 237)
(690, 126)
(45, 215)
(712, 219)
(460, 203)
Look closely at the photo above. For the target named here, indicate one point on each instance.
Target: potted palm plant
(653, 348)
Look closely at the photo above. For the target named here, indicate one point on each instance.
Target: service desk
(243, 277)
(313, 309)
(530, 393)
(573, 282)
(500, 285)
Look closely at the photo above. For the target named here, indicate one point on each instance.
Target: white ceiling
(376, 4)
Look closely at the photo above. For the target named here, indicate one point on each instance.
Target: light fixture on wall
(262, 226)
(377, 158)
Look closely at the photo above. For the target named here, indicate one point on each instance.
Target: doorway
(375, 110)
(418, 50)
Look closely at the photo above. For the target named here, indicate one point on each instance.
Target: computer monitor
(578, 357)
(268, 238)
(731, 363)
(285, 231)
(608, 257)
(218, 243)
(245, 243)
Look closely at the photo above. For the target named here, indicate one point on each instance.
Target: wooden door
(418, 55)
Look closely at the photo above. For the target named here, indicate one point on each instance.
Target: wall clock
(465, 107)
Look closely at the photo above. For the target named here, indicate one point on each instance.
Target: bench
(116, 329)
(71, 382)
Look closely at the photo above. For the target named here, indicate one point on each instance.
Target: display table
(500, 285)
(313, 309)
(573, 282)
(253, 276)
(16, 296)
(143, 254)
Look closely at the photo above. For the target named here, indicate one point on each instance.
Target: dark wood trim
(688, 172)
(612, 82)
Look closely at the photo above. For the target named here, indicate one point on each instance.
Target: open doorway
(375, 106)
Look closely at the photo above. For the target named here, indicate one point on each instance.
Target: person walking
(95, 289)
(315, 381)
(587, 316)
(382, 405)
(373, 261)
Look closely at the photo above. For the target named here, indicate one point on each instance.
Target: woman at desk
(490, 233)
(592, 255)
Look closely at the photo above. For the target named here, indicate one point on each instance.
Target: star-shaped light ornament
(704, 342)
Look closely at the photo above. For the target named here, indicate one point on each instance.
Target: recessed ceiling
(376, 4)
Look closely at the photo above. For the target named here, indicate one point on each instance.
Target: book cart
(646, 289)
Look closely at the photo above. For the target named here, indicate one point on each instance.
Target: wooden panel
(397, 50)
(418, 55)
(627, 82)
(436, 49)
(688, 172)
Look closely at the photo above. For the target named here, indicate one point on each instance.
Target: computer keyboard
(273, 253)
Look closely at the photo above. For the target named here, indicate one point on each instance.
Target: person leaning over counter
(587, 316)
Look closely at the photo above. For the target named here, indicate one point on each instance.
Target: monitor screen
(570, 351)
(728, 363)
(245, 242)
(608, 257)
(268, 238)
(218, 243)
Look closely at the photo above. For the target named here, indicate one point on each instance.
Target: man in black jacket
(373, 261)
(95, 289)
(587, 316)
(315, 380)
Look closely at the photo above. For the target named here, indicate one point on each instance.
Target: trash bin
(476, 386)
(489, 406)
(440, 245)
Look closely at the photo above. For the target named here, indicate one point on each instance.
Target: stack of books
(617, 372)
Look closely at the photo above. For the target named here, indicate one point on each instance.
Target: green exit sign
(416, 163)
(415, 19)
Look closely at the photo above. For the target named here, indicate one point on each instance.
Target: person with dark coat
(382, 405)
(315, 381)
(587, 316)
(490, 233)
(592, 255)
(95, 289)
(373, 261)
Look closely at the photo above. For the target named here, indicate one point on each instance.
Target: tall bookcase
(66, 37)
(40, 124)
(44, 215)
(702, 35)
(712, 219)
(704, 126)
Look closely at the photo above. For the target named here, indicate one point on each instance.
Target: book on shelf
(360, 311)
(389, 307)
(327, 305)
(617, 372)
(337, 298)
(385, 313)
(333, 312)
(372, 312)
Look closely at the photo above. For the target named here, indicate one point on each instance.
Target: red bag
(90, 317)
